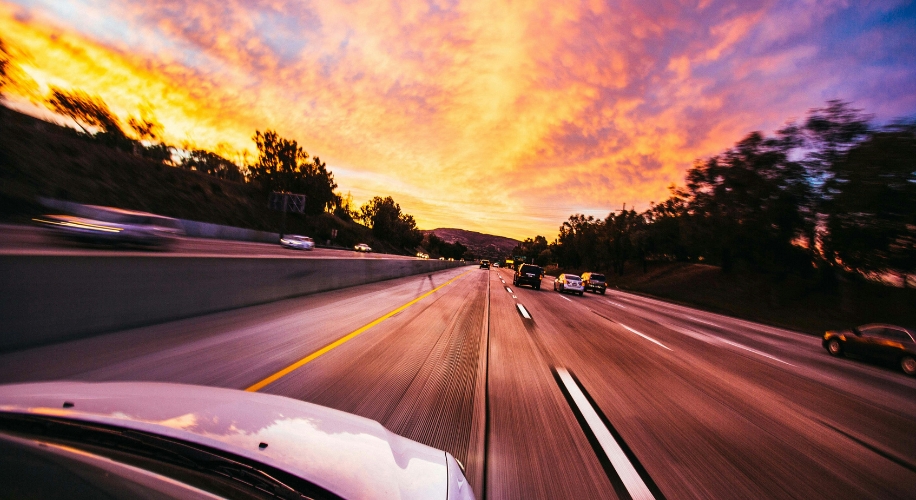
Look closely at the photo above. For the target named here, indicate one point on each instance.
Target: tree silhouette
(145, 128)
(5, 64)
(872, 215)
(85, 110)
(389, 224)
(284, 166)
(829, 193)
(211, 164)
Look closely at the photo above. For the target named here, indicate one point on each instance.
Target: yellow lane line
(339, 342)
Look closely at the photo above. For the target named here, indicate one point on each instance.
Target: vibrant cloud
(501, 117)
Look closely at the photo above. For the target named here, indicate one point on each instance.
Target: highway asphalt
(613, 396)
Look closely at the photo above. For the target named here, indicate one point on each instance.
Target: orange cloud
(501, 117)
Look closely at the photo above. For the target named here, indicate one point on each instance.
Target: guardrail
(47, 298)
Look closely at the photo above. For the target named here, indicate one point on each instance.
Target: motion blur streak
(343, 340)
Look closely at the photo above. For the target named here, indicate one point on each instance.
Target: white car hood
(349, 455)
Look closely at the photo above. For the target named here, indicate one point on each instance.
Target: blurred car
(362, 247)
(421, 255)
(891, 343)
(159, 440)
(594, 282)
(496, 264)
(528, 274)
(114, 226)
(297, 242)
(569, 283)
(485, 264)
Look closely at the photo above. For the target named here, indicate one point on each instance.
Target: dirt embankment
(792, 302)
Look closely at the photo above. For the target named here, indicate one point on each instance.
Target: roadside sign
(286, 202)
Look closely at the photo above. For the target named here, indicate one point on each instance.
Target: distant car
(114, 226)
(158, 440)
(485, 264)
(891, 343)
(569, 283)
(421, 255)
(297, 242)
(528, 274)
(362, 247)
(594, 282)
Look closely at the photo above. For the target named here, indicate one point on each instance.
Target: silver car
(569, 283)
(297, 242)
(157, 440)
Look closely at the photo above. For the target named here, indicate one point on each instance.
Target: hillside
(792, 302)
(485, 245)
(38, 158)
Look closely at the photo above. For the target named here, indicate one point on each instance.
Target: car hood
(349, 455)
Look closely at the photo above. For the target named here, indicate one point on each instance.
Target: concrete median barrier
(46, 299)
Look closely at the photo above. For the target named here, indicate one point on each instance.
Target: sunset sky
(499, 117)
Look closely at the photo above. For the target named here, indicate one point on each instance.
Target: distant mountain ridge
(486, 245)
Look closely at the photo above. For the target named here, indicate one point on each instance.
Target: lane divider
(698, 320)
(524, 311)
(650, 339)
(755, 351)
(597, 430)
(343, 340)
(508, 289)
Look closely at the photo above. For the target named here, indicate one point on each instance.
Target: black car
(528, 274)
(594, 282)
(485, 264)
(885, 342)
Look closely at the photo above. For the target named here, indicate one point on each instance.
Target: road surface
(543, 395)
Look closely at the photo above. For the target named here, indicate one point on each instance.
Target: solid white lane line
(524, 311)
(628, 475)
(650, 339)
(698, 320)
(755, 351)
(616, 304)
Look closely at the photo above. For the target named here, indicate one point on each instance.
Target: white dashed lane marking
(634, 484)
(650, 339)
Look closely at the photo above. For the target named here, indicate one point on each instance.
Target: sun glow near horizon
(489, 116)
